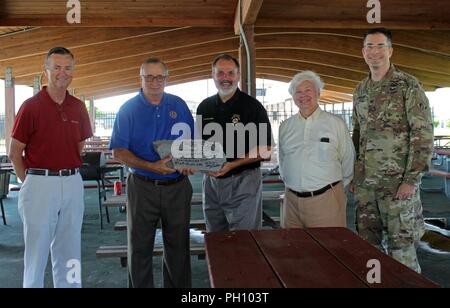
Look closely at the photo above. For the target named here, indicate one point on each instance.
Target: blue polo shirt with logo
(138, 124)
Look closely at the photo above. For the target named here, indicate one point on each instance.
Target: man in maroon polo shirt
(47, 141)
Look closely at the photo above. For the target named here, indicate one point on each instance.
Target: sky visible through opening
(195, 92)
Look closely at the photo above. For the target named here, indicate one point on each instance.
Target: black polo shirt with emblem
(241, 109)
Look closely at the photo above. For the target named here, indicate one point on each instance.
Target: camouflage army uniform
(393, 137)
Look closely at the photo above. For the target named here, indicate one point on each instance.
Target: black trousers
(147, 205)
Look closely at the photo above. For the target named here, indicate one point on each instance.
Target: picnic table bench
(122, 250)
(194, 224)
(301, 258)
(440, 167)
(442, 141)
(121, 200)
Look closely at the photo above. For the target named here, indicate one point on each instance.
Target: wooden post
(37, 84)
(92, 113)
(250, 35)
(10, 106)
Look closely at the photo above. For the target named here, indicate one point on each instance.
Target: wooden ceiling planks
(124, 13)
(116, 36)
(351, 14)
(5, 31)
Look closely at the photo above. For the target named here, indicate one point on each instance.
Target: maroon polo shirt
(52, 132)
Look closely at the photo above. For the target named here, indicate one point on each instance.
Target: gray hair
(155, 61)
(303, 76)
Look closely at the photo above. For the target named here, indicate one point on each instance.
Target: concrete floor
(107, 273)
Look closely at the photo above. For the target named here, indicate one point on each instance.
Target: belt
(320, 191)
(46, 172)
(159, 182)
(236, 174)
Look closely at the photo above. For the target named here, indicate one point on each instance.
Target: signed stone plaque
(197, 154)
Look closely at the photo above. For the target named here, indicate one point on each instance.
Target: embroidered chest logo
(235, 119)
(173, 115)
(393, 87)
(362, 99)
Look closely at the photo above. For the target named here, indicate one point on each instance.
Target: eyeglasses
(151, 78)
(377, 47)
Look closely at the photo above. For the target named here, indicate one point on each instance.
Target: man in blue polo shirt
(155, 191)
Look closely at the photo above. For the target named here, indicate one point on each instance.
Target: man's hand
(406, 191)
(227, 167)
(351, 187)
(187, 171)
(160, 166)
(15, 154)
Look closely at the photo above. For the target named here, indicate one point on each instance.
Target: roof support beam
(37, 84)
(248, 11)
(247, 59)
(92, 113)
(246, 14)
(10, 106)
(352, 24)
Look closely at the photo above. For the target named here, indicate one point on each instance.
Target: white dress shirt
(306, 162)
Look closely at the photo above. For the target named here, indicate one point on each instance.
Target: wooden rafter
(247, 14)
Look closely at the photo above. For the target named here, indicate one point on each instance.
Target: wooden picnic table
(301, 258)
(442, 152)
(105, 150)
(97, 142)
(441, 141)
(113, 167)
(6, 167)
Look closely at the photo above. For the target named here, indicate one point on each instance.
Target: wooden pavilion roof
(114, 37)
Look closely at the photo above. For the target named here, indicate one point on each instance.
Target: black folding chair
(91, 170)
(4, 186)
(266, 217)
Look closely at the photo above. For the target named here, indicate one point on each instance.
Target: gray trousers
(233, 203)
(147, 204)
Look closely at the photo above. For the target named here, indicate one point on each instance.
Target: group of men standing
(392, 136)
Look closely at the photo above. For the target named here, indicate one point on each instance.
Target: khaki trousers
(325, 210)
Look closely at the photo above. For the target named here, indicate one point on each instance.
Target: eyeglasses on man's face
(376, 46)
(151, 78)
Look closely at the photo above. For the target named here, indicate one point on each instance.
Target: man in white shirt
(316, 157)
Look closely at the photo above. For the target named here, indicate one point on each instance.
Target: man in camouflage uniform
(393, 137)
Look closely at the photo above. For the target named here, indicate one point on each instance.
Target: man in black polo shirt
(233, 196)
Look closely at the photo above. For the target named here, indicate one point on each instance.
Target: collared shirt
(392, 130)
(138, 124)
(315, 152)
(241, 109)
(52, 132)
